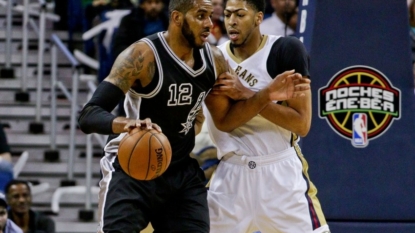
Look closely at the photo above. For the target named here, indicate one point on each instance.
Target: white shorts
(266, 194)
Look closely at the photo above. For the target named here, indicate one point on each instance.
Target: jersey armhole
(211, 59)
(159, 69)
(272, 59)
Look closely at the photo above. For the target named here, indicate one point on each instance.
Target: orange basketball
(144, 154)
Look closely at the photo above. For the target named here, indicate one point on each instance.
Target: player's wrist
(119, 125)
(248, 93)
(265, 94)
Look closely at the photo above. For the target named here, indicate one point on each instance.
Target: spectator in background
(6, 166)
(218, 33)
(148, 18)
(19, 198)
(95, 14)
(6, 225)
(284, 19)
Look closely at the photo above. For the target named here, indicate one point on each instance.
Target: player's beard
(189, 36)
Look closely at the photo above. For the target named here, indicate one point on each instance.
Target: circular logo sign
(359, 103)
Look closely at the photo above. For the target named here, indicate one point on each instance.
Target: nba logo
(359, 130)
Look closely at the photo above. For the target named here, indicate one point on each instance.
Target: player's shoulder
(220, 61)
(216, 51)
(131, 62)
(287, 41)
(139, 49)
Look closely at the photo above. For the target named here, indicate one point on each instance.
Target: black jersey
(174, 96)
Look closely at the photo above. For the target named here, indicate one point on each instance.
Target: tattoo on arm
(221, 64)
(128, 68)
(151, 69)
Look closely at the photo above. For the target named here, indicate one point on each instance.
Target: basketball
(144, 154)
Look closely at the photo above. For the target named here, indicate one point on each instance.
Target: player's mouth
(233, 34)
(205, 36)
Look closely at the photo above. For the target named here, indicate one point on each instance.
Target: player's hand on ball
(141, 124)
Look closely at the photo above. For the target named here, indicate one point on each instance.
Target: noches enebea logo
(360, 104)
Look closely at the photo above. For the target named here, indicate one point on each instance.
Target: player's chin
(200, 45)
(235, 43)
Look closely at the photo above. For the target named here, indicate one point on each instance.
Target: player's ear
(177, 18)
(259, 16)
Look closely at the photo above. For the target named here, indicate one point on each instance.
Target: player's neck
(249, 47)
(182, 50)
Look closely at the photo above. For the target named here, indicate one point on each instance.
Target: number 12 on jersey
(181, 95)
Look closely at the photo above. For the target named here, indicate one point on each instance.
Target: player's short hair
(257, 5)
(182, 6)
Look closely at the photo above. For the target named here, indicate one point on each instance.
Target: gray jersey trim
(212, 59)
(160, 69)
(189, 70)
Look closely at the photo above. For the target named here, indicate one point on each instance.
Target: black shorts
(174, 202)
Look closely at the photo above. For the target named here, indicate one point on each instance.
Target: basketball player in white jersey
(261, 183)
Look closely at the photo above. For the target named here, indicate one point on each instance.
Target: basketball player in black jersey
(165, 78)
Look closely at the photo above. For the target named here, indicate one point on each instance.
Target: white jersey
(258, 136)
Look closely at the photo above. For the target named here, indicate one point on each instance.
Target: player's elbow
(303, 129)
(83, 122)
(302, 133)
(226, 130)
(225, 127)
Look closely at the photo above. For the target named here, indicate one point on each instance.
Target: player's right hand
(141, 124)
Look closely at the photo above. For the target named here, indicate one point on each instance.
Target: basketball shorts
(266, 194)
(174, 202)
